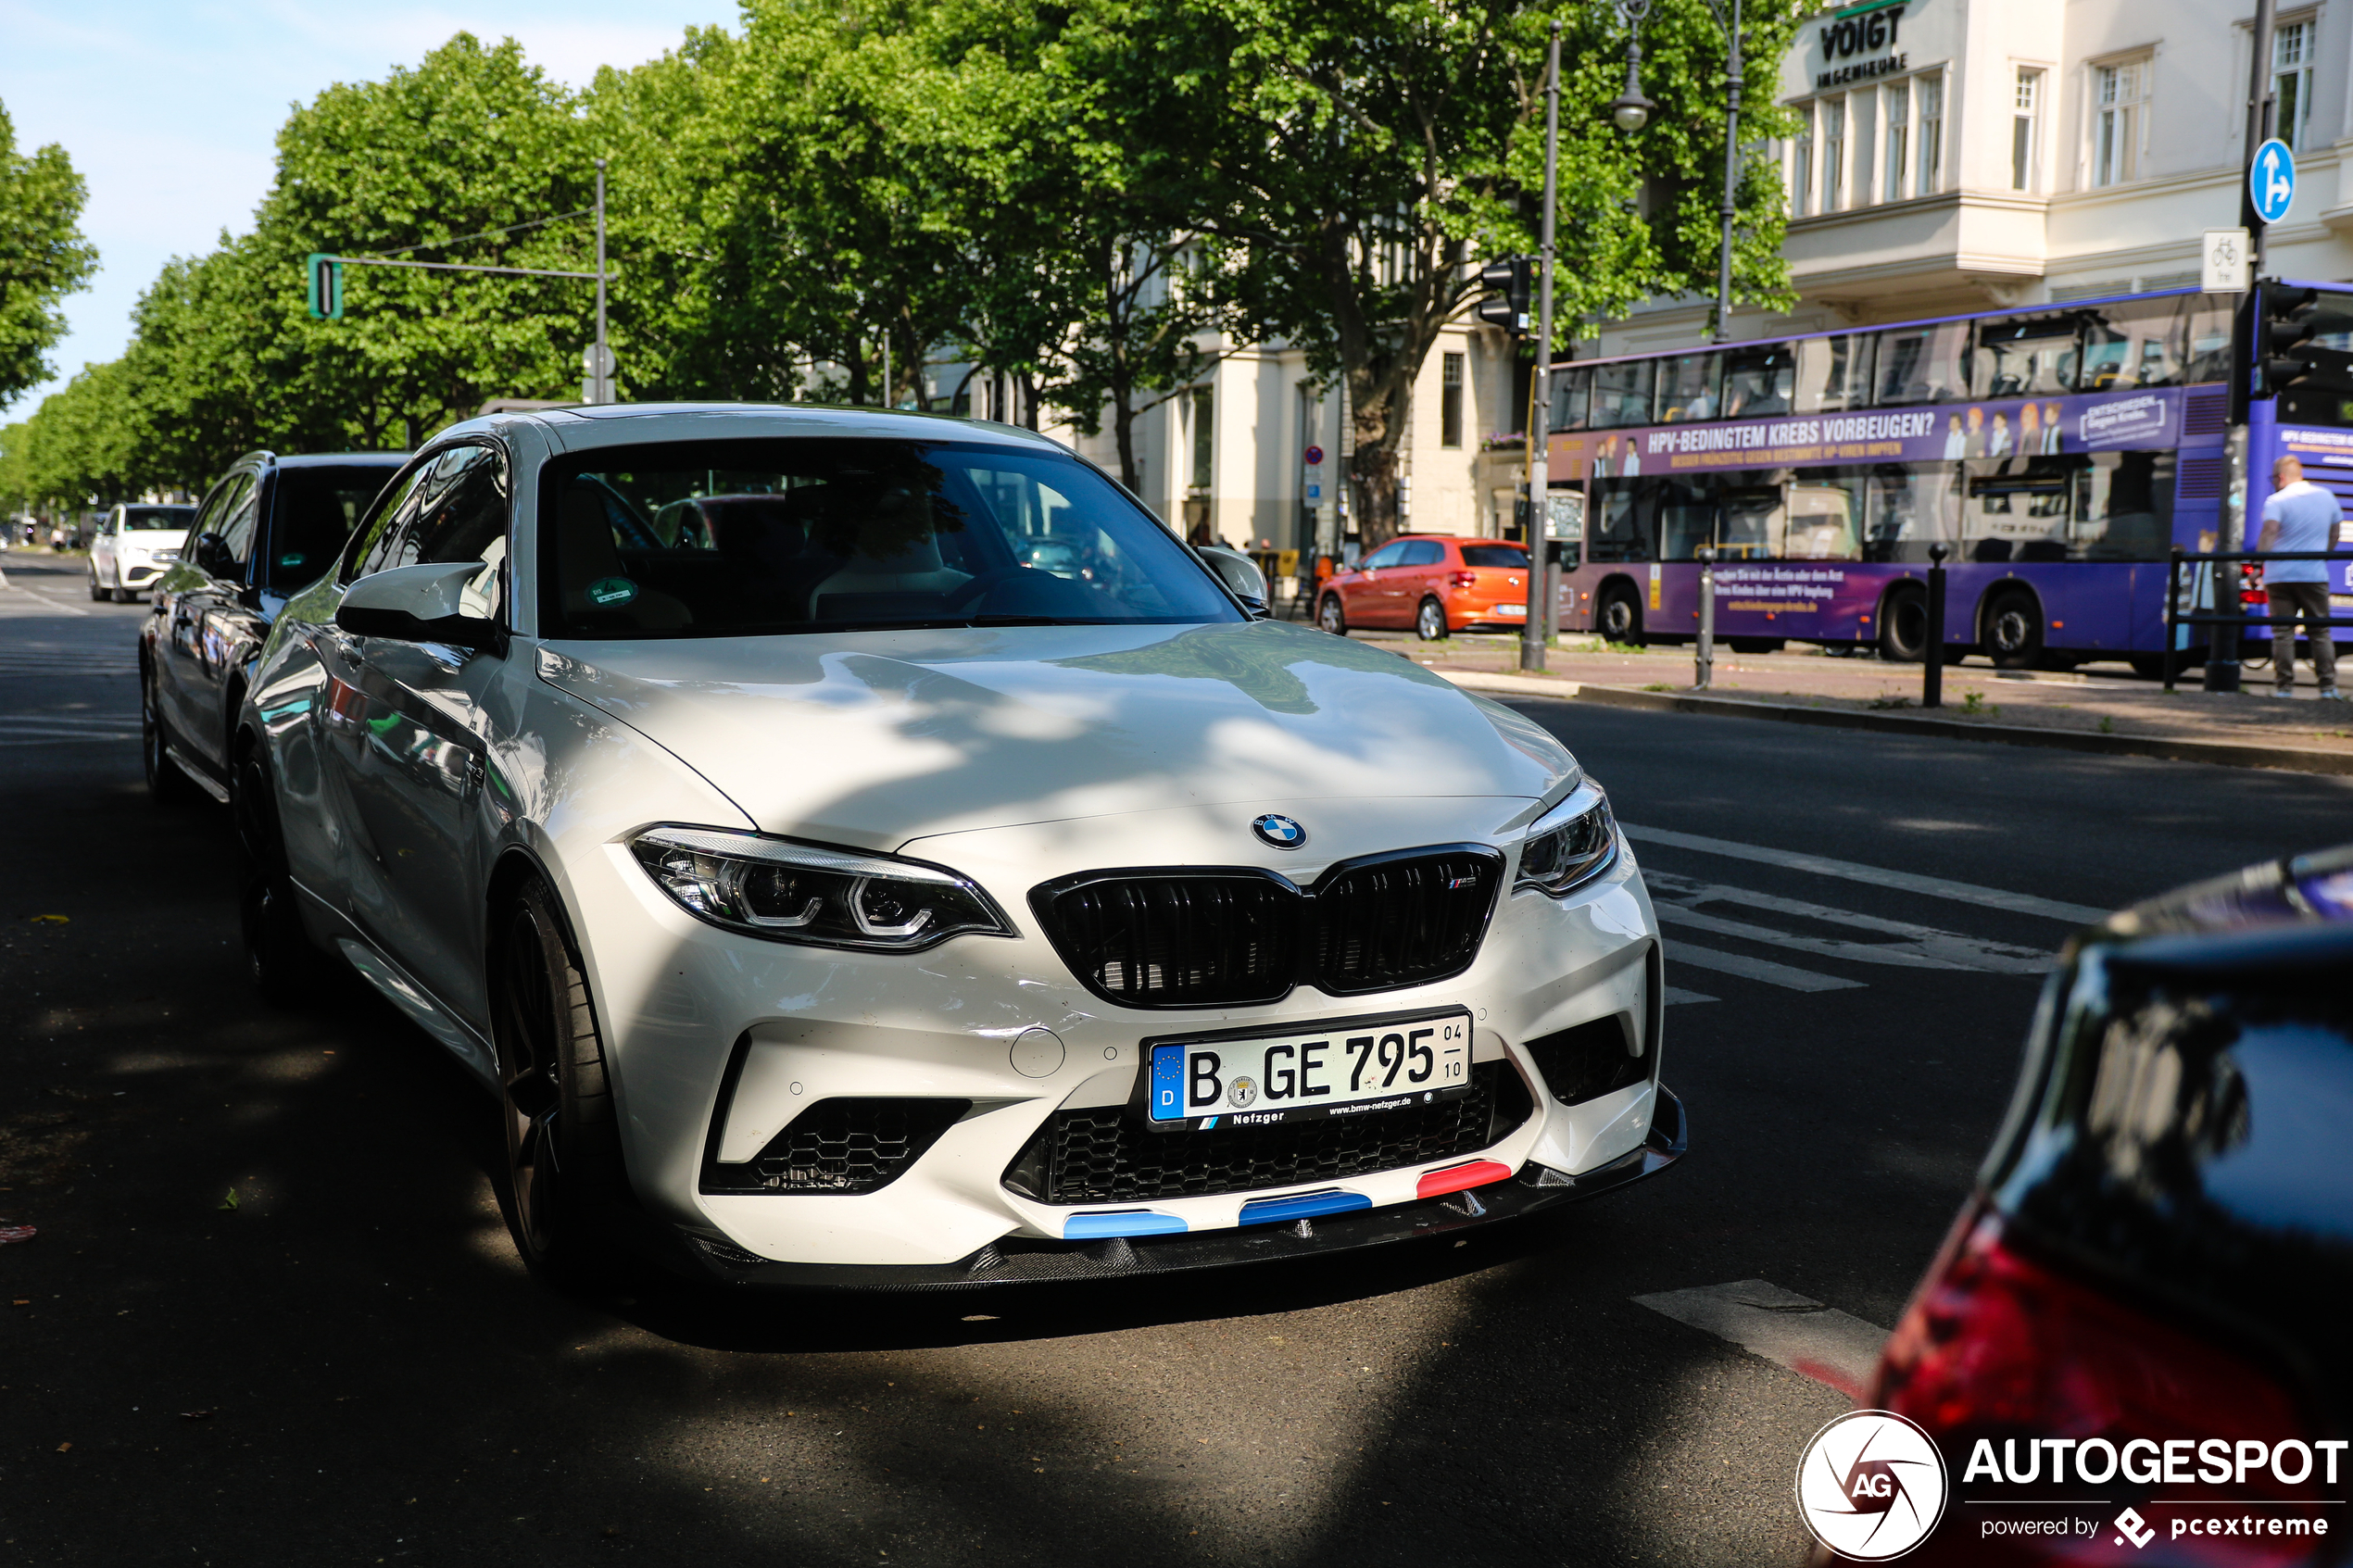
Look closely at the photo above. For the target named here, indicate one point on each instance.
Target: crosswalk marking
(1909, 882)
(1832, 1348)
(1785, 975)
(1919, 947)
(1677, 997)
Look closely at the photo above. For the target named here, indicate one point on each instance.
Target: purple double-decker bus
(2058, 452)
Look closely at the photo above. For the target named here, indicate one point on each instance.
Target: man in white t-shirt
(2299, 516)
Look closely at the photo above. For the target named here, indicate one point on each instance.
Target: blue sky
(170, 110)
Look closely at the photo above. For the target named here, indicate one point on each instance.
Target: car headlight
(1569, 844)
(826, 898)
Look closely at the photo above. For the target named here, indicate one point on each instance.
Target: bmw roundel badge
(1278, 833)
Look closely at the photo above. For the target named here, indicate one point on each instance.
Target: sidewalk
(2102, 707)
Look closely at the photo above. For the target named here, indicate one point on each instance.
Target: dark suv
(265, 531)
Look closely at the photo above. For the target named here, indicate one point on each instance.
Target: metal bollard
(1933, 656)
(1704, 660)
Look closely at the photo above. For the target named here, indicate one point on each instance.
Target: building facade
(1972, 155)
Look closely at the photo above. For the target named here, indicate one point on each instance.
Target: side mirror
(417, 604)
(210, 555)
(1240, 575)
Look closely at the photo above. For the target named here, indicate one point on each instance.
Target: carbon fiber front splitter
(1014, 1261)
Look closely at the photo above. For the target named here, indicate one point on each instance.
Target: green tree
(43, 256)
(1377, 150)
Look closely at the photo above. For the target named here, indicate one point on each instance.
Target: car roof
(618, 424)
(343, 459)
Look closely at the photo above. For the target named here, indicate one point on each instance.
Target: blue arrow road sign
(2270, 180)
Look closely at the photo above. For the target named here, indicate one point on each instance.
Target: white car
(136, 545)
(832, 897)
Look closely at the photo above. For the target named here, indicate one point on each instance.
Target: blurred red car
(1434, 583)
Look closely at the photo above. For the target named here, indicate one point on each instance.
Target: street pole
(1703, 654)
(1731, 178)
(1536, 626)
(2221, 642)
(604, 354)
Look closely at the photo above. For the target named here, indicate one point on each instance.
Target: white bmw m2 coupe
(834, 895)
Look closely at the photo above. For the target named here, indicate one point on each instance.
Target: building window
(1899, 134)
(1833, 154)
(2291, 81)
(1931, 96)
(1205, 427)
(1801, 183)
(1450, 402)
(2119, 98)
(2026, 116)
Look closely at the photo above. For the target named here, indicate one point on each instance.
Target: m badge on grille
(1278, 833)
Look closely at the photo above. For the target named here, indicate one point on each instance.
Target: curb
(2223, 754)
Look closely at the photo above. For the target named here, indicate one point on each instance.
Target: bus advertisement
(2058, 454)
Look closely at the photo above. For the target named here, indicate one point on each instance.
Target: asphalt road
(348, 1366)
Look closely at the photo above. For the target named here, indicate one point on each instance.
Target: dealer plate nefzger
(1350, 1067)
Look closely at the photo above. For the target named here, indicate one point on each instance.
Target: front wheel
(285, 966)
(563, 1150)
(167, 786)
(96, 594)
(1330, 617)
(1429, 621)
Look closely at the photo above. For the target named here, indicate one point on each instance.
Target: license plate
(1353, 1067)
(1509, 610)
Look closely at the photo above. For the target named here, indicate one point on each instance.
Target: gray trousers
(2309, 600)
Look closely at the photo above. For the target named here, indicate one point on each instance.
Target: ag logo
(1278, 833)
(1870, 1486)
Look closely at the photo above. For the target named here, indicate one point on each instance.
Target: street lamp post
(1630, 111)
(1536, 621)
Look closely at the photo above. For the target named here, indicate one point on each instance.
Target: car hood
(873, 738)
(152, 539)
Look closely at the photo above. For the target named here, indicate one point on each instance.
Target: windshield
(156, 520)
(746, 538)
(315, 509)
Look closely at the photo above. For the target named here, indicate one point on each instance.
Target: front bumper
(1533, 1190)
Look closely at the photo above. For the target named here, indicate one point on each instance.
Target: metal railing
(2175, 619)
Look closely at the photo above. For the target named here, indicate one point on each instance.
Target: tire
(1429, 621)
(286, 967)
(1755, 644)
(1618, 615)
(1331, 617)
(1903, 627)
(562, 1172)
(97, 595)
(167, 786)
(2013, 638)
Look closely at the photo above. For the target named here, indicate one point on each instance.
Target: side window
(1388, 555)
(1422, 552)
(235, 527)
(465, 519)
(209, 514)
(1922, 364)
(375, 542)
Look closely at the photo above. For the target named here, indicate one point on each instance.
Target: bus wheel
(1903, 627)
(1755, 644)
(1618, 616)
(2014, 632)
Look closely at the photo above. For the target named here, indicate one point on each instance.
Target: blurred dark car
(264, 532)
(2154, 1281)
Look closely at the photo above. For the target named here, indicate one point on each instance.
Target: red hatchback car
(1434, 583)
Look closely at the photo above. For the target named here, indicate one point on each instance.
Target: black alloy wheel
(1429, 621)
(167, 786)
(563, 1149)
(1903, 627)
(1330, 617)
(2014, 631)
(286, 967)
(1618, 616)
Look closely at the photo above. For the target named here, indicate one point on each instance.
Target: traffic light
(2294, 329)
(326, 287)
(1506, 305)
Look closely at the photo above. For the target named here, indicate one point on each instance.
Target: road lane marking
(1812, 1341)
(1677, 997)
(1919, 946)
(1880, 876)
(1771, 973)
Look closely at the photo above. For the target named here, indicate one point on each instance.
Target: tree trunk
(1379, 420)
